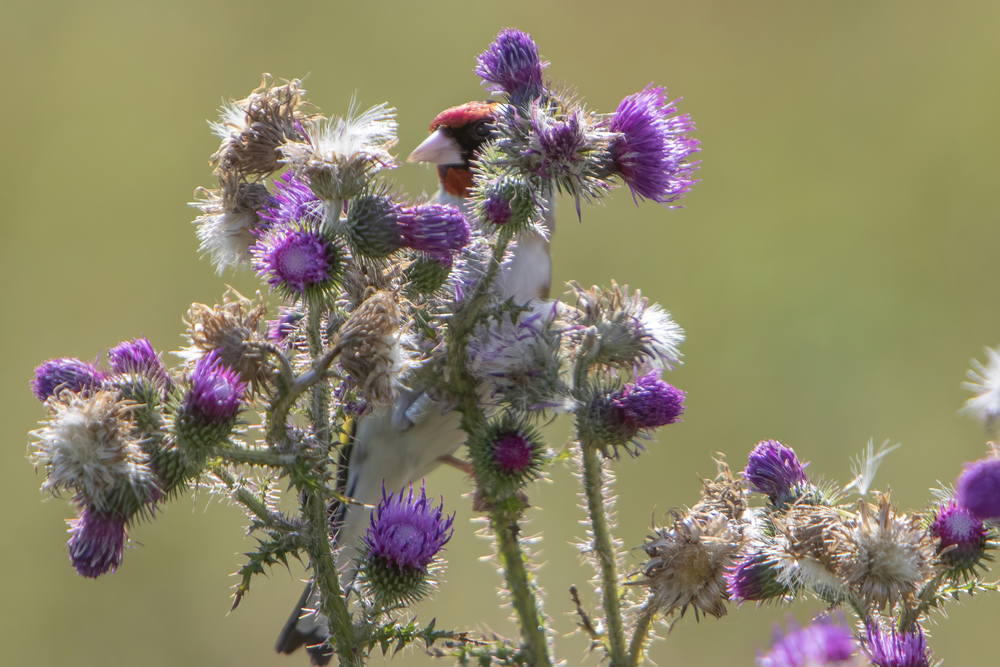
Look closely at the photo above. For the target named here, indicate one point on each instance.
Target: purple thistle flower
(774, 470)
(511, 65)
(278, 330)
(558, 144)
(650, 154)
(650, 402)
(407, 532)
(434, 228)
(293, 259)
(138, 357)
(821, 643)
(958, 527)
(497, 209)
(978, 489)
(293, 201)
(513, 453)
(894, 648)
(54, 375)
(216, 392)
(753, 577)
(97, 543)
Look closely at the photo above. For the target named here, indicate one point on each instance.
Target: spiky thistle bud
(774, 470)
(961, 538)
(978, 489)
(893, 647)
(652, 148)
(372, 227)
(67, 373)
(399, 552)
(754, 576)
(506, 454)
(375, 348)
(208, 411)
(511, 65)
(428, 273)
(821, 644)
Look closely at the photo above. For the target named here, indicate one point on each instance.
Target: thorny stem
(256, 457)
(320, 416)
(285, 399)
(909, 615)
(641, 633)
(332, 602)
(248, 499)
(604, 549)
(522, 592)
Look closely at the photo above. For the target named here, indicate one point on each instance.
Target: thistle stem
(645, 621)
(256, 457)
(332, 602)
(604, 549)
(321, 389)
(522, 591)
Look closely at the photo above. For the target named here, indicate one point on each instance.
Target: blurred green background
(835, 270)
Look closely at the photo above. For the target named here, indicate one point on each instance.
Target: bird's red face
(456, 134)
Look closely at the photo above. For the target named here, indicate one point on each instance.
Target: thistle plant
(393, 309)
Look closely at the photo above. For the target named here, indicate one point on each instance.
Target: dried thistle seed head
(252, 129)
(229, 221)
(376, 348)
(724, 494)
(807, 548)
(232, 328)
(341, 155)
(626, 328)
(687, 563)
(887, 556)
(87, 446)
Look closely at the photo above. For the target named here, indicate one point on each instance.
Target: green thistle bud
(506, 454)
(428, 273)
(372, 229)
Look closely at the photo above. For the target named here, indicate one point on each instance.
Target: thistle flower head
(754, 576)
(774, 470)
(961, 537)
(375, 348)
(434, 228)
(97, 542)
(216, 393)
(895, 648)
(506, 454)
(67, 373)
(888, 555)
(293, 201)
(233, 329)
(687, 563)
(341, 155)
(985, 406)
(557, 143)
(228, 225)
(651, 151)
(649, 402)
(254, 128)
(520, 357)
(978, 489)
(820, 644)
(404, 538)
(86, 446)
(141, 373)
(511, 65)
(298, 261)
(626, 328)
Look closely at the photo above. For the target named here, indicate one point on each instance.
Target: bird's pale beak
(438, 148)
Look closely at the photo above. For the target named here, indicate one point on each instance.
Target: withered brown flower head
(233, 328)
(808, 548)
(252, 129)
(226, 227)
(888, 556)
(724, 494)
(688, 561)
(375, 346)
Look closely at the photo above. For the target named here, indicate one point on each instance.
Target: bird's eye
(483, 128)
